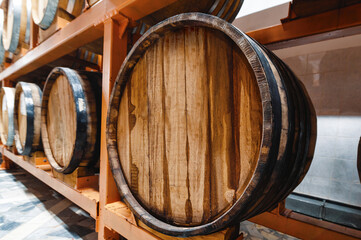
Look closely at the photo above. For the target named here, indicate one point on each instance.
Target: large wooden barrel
(44, 11)
(7, 115)
(70, 128)
(27, 117)
(205, 126)
(16, 24)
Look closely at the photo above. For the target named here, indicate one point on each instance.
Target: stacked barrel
(70, 119)
(205, 128)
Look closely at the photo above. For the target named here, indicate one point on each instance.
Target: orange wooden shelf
(86, 28)
(108, 19)
(118, 217)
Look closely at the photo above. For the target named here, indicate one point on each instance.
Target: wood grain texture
(61, 121)
(22, 119)
(27, 117)
(205, 127)
(69, 123)
(190, 126)
(7, 115)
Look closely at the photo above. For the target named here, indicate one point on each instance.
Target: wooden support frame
(109, 19)
(302, 226)
(325, 22)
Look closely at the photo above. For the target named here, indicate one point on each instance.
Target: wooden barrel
(202, 122)
(7, 115)
(44, 11)
(16, 24)
(70, 128)
(2, 49)
(225, 9)
(27, 115)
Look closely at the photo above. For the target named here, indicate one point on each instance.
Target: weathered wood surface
(2, 49)
(206, 127)
(7, 115)
(69, 123)
(27, 117)
(189, 141)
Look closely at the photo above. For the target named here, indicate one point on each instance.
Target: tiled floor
(30, 210)
(253, 231)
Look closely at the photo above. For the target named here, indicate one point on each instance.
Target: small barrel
(27, 117)
(70, 128)
(44, 11)
(7, 115)
(17, 24)
(2, 49)
(203, 123)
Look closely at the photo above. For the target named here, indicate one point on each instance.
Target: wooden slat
(324, 22)
(82, 30)
(187, 142)
(304, 227)
(119, 218)
(114, 51)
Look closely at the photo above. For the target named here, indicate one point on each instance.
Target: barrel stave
(7, 115)
(27, 116)
(264, 163)
(69, 124)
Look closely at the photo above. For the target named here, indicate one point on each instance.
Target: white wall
(331, 72)
(252, 6)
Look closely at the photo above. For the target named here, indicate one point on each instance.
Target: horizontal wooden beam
(321, 23)
(118, 217)
(87, 198)
(84, 29)
(304, 227)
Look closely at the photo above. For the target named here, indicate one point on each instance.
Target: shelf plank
(118, 217)
(321, 23)
(87, 198)
(305, 227)
(82, 30)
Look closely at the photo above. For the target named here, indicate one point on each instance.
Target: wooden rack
(108, 19)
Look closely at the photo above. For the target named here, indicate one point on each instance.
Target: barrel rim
(81, 118)
(25, 149)
(12, 44)
(49, 14)
(281, 169)
(8, 92)
(202, 20)
(2, 49)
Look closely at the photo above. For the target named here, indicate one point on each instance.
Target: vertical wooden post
(34, 29)
(114, 52)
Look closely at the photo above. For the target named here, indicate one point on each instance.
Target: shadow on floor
(30, 210)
